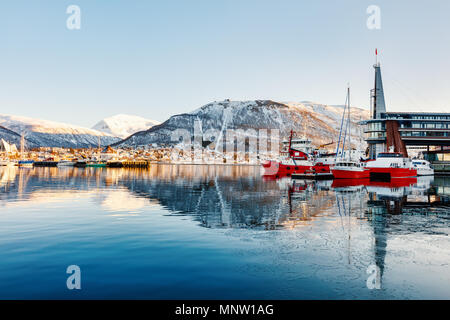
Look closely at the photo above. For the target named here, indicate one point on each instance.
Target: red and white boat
(391, 165)
(349, 169)
(296, 158)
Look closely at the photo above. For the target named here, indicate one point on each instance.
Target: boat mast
(349, 125)
(340, 132)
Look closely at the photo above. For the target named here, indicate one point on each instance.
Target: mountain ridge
(320, 121)
(45, 133)
(124, 125)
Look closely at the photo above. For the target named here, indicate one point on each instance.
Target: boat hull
(96, 165)
(66, 164)
(350, 174)
(45, 163)
(26, 163)
(80, 164)
(392, 172)
(275, 168)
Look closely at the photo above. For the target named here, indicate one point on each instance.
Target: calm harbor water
(220, 232)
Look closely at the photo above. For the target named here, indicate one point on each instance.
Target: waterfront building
(386, 131)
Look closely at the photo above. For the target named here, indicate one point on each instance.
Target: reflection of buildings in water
(397, 196)
(232, 196)
(350, 201)
(385, 201)
(242, 202)
(216, 196)
(306, 200)
(388, 200)
(7, 176)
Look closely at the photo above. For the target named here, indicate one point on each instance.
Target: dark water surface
(220, 232)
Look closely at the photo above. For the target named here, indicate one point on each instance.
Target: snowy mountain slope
(319, 122)
(13, 137)
(43, 133)
(124, 125)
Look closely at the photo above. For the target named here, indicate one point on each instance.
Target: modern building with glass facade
(396, 130)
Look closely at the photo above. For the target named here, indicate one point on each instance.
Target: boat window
(389, 155)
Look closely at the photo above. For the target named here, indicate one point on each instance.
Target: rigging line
(406, 95)
(347, 127)
(340, 129)
(409, 93)
(345, 138)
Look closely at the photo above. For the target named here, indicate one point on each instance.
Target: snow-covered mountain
(124, 125)
(12, 137)
(319, 122)
(44, 133)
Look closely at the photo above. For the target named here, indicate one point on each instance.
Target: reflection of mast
(380, 235)
(22, 145)
(226, 213)
(349, 126)
(338, 200)
(349, 229)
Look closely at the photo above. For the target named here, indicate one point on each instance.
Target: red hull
(274, 168)
(349, 174)
(394, 183)
(342, 183)
(394, 172)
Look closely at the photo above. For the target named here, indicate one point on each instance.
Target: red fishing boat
(297, 158)
(348, 169)
(391, 165)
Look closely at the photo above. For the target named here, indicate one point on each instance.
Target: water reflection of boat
(4, 162)
(423, 184)
(342, 183)
(394, 188)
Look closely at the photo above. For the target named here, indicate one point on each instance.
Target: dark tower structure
(378, 105)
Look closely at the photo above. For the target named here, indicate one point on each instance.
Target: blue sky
(159, 58)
